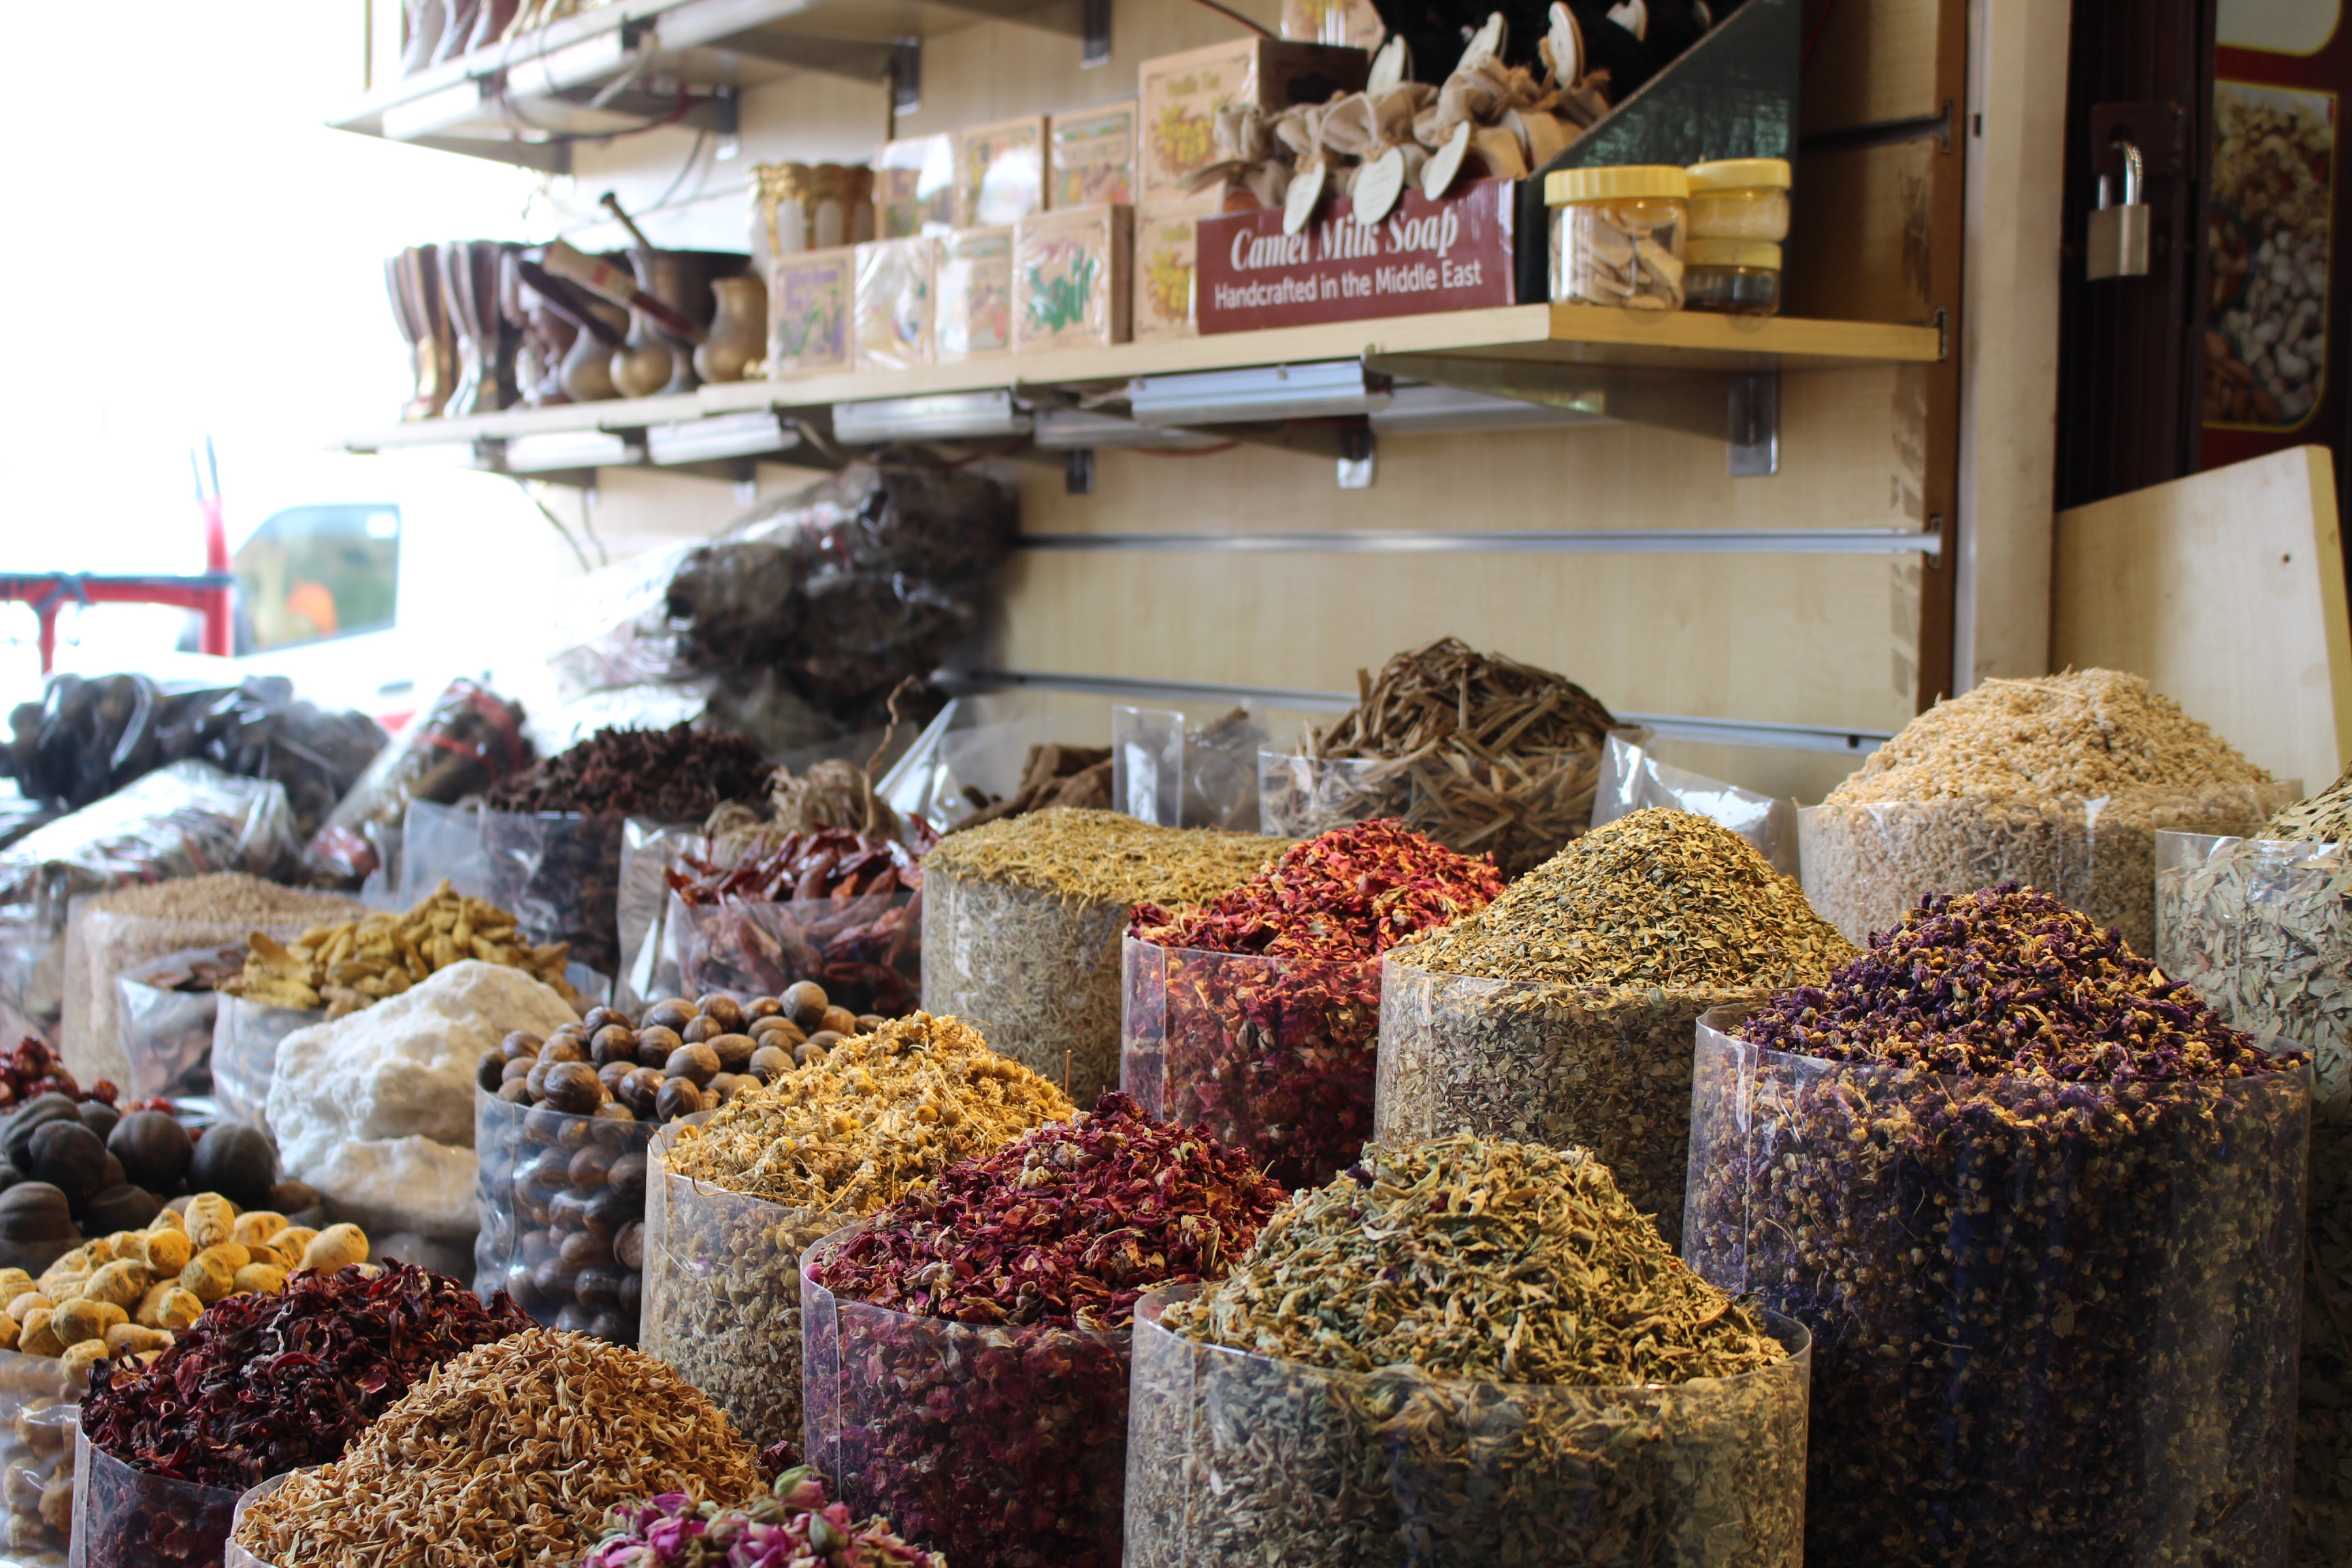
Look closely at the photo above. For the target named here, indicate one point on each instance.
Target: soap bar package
(1071, 286)
(1000, 173)
(896, 303)
(1356, 23)
(809, 301)
(1166, 236)
(975, 293)
(914, 187)
(1181, 94)
(1090, 157)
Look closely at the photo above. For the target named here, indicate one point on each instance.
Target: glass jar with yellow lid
(1617, 235)
(1740, 198)
(1736, 276)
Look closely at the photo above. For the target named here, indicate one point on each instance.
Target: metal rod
(1853, 742)
(1614, 542)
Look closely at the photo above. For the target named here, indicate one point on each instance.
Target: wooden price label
(1449, 255)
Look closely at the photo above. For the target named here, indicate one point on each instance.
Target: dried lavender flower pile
(1464, 1352)
(510, 1454)
(1255, 1012)
(1563, 1011)
(2042, 1211)
(1022, 921)
(2262, 928)
(792, 1526)
(2059, 782)
(731, 1205)
(967, 1350)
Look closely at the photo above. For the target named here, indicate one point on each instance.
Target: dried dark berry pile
(2042, 1211)
(978, 1344)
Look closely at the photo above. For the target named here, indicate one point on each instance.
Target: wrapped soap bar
(810, 297)
(1070, 283)
(1000, 173)
(975, 314)
(1090, 156)
(914, 187)
(895, 320)
(1181, 94)
(1355, 23)
(1167, 236)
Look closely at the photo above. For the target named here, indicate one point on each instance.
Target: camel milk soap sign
(1455, 254)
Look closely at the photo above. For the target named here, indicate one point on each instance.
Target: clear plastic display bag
(237, 1556)
(1187, 768)
(125, 1518)
(642, 913)
(865, 951)
(722, 1294)
(1632, 779)
(38, 1407)
(245, 1054)
(440, 843)
(561, 1204)
(1865, 864)
(558, 874)
(2056, 1319)
(2262, 929)
(1248, 1460)
(1037, 973)
(975, 751)
(1604, 1069)
(166, 1035)
(467, 740)
(1004, 1446)
(1271, 1054)
(1299, 797)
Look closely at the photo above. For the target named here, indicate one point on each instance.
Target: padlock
(2117, 245)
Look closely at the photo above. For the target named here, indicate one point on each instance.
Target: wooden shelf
(1531, 336)
(515, 101)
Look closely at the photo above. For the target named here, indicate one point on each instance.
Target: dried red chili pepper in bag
(1257, 1013)
(842, 909)
(967, 1348)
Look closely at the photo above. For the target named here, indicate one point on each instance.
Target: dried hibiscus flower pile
(791, 1527)
(1265, 1002)
(969, 1348)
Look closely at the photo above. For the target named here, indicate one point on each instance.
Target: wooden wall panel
(1861, 245)
(1876, 62)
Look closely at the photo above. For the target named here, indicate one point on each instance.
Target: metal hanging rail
(1608, 541)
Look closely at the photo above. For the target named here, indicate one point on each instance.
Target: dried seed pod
(211, 1219)
(805, 1003)
(697, 1061)
(209, 1276)
(86, 1319)
(13, 1282)
(256, 1228)
(334, 1247)
(130, 1338)
(25, 1301)
(74, 1365)
(519, 1046)
(9, 1333)
(121, 1282)
(177, 1310)
(168, 1251)
(40, 1335)
(265, 1277)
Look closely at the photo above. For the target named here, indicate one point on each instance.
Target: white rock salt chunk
(402, 1068)
(390, 1185)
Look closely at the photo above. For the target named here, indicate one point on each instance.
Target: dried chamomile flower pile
(1563, 1011)
(862, 1125)
(2033, 1198)
(510, 1452)
(124, 1296)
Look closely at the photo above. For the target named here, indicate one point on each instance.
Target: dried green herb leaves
(1563, 1011)
(1103, 857)
(2325, 818)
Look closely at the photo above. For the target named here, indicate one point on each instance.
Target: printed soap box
(808, 301)
(975, 313)
(1090, 156)
(1166, 236)
(1070, 282)
(1179, 96)
(896, 303)
(914, 187)
(1000, 173)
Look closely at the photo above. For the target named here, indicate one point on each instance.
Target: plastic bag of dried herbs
(968, 1347)
(865, 951)
(125, 1518)
(1023, 918)
(1632, 777)
(164, 1012)
(1255, 1014)
(1183, 768)
(1462, 1353)
(1562, 1013)
(2044, 1213)
(2060, 783)
(38, 1408)
(732, 1200)
(2262, 929)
